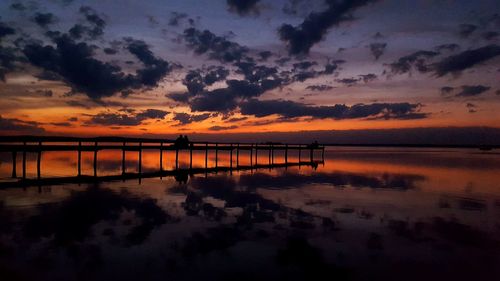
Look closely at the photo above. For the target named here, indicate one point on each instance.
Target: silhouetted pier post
(123, 158)
(161, 156)
(300, 151)
(206, 155)
(237, 155)
(251, 154)
(14, 158)
(231, 156)
(95, 159)
(311, 154)
(176, 158)
(190, 156)
(140, 157)
(272, 154)
(256, 153)
(216, 155)
(286, 154)
(24, 161)
(270, 149)
(39, 160)
(79, 158)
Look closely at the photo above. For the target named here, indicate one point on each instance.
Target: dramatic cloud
(44, 19)
(466, 29)
(312, 30)
(467, 59)
(155, 68)
(18, 6)
(126, 118)
(368, 77)
(16, 125)
(466, 91)
(176, 18)
(416, 60)
(348, 81)
(319, 88)
(470, 91)
(226, 99)
(75, 64)
(290, 109)
(471, 107)
(447, 47)
(217, 47)
(490, 35)
(94, 27)
(5, 30)
(446, 90)
(377, 49)
(222, 128)
(186, 118)
(243, 7)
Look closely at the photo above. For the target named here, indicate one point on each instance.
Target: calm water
(367, 214)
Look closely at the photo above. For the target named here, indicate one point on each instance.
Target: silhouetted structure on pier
(39, 145)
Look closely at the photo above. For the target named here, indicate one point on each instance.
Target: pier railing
(29, 144)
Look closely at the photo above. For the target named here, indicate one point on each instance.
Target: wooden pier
(29, 144)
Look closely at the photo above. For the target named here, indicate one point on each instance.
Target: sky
(70, 67)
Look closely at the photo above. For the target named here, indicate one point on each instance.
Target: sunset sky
(229, 66)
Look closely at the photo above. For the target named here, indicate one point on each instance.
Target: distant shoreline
(52, 139)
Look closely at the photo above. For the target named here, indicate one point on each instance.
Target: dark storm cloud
(44, 19)
(16, 125)
(8, 58)
(93, 28)
(6, 30)
(8, 55)
(312, 30)
(467, 59)
(466, 29)
(447, 47)
(155, 68)
(377, 49)
(416, 60)
(126, 118)
(446, 90)
(243, 7)
(216, 47)
(264, 55)
(255, 73)
(222, 128)
(110, 51)
(186, 118)
(472, 90)
(290, 109)
(490, 35)
(74, 63)
(176, 18)
(319, 88)
(18, 6)
(466, 91)
(348, 81)
(215, 74)
(472, 108)
(368, 77)
(92, 16)
(226, 99)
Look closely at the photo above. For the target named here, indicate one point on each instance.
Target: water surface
(366, 214)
